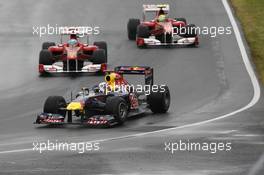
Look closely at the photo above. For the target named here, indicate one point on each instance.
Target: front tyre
(132, 28)
(102, 45)
(45, 57)
(118, 107)
(143, 31)
(53, 104)
(99, 56)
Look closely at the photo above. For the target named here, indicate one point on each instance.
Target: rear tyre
(46, 45)
(102, 45)
(45, 58)
(142, 32)
(159, 102)
(118, 107)
(132, 28)
(99, 57)
(53, 104)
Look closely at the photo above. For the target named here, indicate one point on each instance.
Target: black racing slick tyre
(45, 57)
(159, 101)
(181, 19)
(53, 104)
(46, 45)
(102, 45)
(118, 107)
(143, 31)
(132, 28)
(99, 56)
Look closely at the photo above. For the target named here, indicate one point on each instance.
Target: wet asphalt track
(205, 82)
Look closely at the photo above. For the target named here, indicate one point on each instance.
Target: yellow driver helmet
(110, 79)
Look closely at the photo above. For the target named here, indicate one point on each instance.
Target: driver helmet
(162, 18)
(114, 79)
(72, 42)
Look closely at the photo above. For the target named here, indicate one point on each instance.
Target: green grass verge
(251, 15)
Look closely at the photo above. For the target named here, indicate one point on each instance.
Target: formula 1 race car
(109, 102)
(72, 56)
(161, 30)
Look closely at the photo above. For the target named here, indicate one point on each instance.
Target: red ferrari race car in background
(73, 56)
(161, 30)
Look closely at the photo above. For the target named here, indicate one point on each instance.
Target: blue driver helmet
(72, 42)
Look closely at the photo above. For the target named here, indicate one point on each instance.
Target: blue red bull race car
(108, 103)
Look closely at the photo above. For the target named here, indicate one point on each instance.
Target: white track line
(16, 150)
(250, 71)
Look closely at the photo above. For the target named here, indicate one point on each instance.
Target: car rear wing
(137, 70)
(73, 31)
(156, 7)
(77, 31)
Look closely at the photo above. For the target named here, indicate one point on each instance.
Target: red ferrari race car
(161, 30)
(73, 56)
